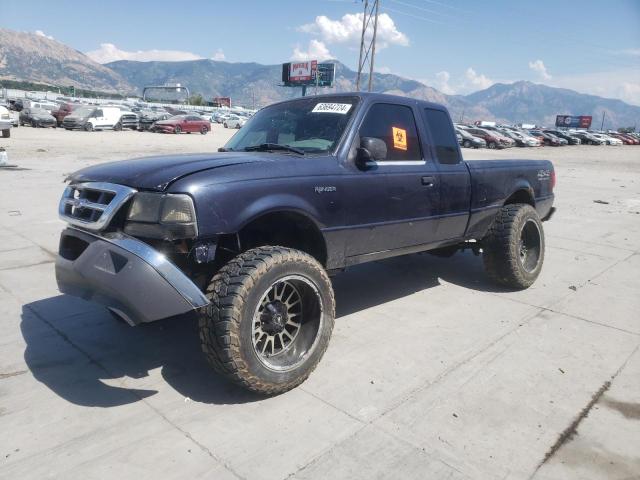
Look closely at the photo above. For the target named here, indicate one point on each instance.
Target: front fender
(278, 202)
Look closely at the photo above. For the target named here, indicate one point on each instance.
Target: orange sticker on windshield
(399, 138)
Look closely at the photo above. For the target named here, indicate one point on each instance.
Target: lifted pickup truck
(248, 237)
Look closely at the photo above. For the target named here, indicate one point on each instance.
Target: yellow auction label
(399, 138)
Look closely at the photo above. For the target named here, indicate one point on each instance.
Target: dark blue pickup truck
(247, 237)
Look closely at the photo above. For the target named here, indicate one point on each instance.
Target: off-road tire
(501, 247)
(226, 323)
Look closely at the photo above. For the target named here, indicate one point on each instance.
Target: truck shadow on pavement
(89, 358)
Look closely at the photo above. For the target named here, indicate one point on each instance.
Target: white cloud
(108, 52)
(538, 67)
(621, 83)
(477, 81)
(40, 33)
(219, 55)
(383, 70)
(316, 50)
(442, 83)
(349, 29)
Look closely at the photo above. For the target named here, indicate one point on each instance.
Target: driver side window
(396, 126)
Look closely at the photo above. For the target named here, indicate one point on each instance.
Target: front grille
(92, 205)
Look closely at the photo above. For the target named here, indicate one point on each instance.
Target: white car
(234, 121)
(607, 139)
(6, 122)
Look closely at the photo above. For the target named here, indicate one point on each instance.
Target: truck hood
(157, 173)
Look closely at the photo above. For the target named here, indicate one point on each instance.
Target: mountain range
(34, 58)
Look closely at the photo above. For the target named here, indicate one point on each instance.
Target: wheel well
(287, 229)
(521, 196)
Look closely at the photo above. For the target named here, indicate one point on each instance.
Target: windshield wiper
(265, 147)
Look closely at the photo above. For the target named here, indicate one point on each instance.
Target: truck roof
(373, 97)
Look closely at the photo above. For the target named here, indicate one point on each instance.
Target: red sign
(303, 71)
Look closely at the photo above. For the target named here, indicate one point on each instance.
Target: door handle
(428, 181)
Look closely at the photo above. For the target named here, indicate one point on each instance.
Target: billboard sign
(303, 71)
(309, 73)
(573, 121)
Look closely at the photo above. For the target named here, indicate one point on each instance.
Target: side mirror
(371, 148)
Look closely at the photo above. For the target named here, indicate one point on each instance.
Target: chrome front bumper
(126, 275)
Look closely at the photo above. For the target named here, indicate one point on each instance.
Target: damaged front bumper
(126, 275)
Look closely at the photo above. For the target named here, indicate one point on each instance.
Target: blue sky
(457, 47)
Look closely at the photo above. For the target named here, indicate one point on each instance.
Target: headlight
(163, 216)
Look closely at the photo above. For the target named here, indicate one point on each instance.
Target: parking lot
(432, 371)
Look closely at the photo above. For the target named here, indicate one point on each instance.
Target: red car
(627, 140)
(64, 110)
(182, 123)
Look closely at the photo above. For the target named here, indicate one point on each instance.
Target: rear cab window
(396, 126)
(443, 136)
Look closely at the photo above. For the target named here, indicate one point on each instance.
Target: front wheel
(88, 127)
(466, 144)
(178, 129)
(513, 250)
(492, 145)
(270, 319)
(117, 127)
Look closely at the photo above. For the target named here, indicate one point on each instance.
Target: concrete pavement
(432, 371)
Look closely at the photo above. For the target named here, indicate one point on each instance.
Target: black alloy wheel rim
(287, 322)
(530, 246)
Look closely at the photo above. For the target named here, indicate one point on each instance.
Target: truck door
(395, 201)
(455, 180)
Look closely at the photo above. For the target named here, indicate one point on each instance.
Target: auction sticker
(399, 138)
(341, 108)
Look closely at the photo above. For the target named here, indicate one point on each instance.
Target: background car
(569, 138)
(607, 139)
(587, 138)
(146, 118)
(469, 141)
(549, 139)
(37, 117)
(5, 122)
(234, 121)
(182, 123)
(490, 137)
(63, 110)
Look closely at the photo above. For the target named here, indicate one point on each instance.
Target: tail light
(553, 179)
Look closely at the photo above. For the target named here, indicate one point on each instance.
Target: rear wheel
(513, 250)
(225, 125)
(204, 130)
(270, 319)
(492, 145)
(117, 127)
(6, 133)
(34, 124)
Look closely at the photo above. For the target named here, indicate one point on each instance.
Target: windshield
(83, 112)
(310, 124)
